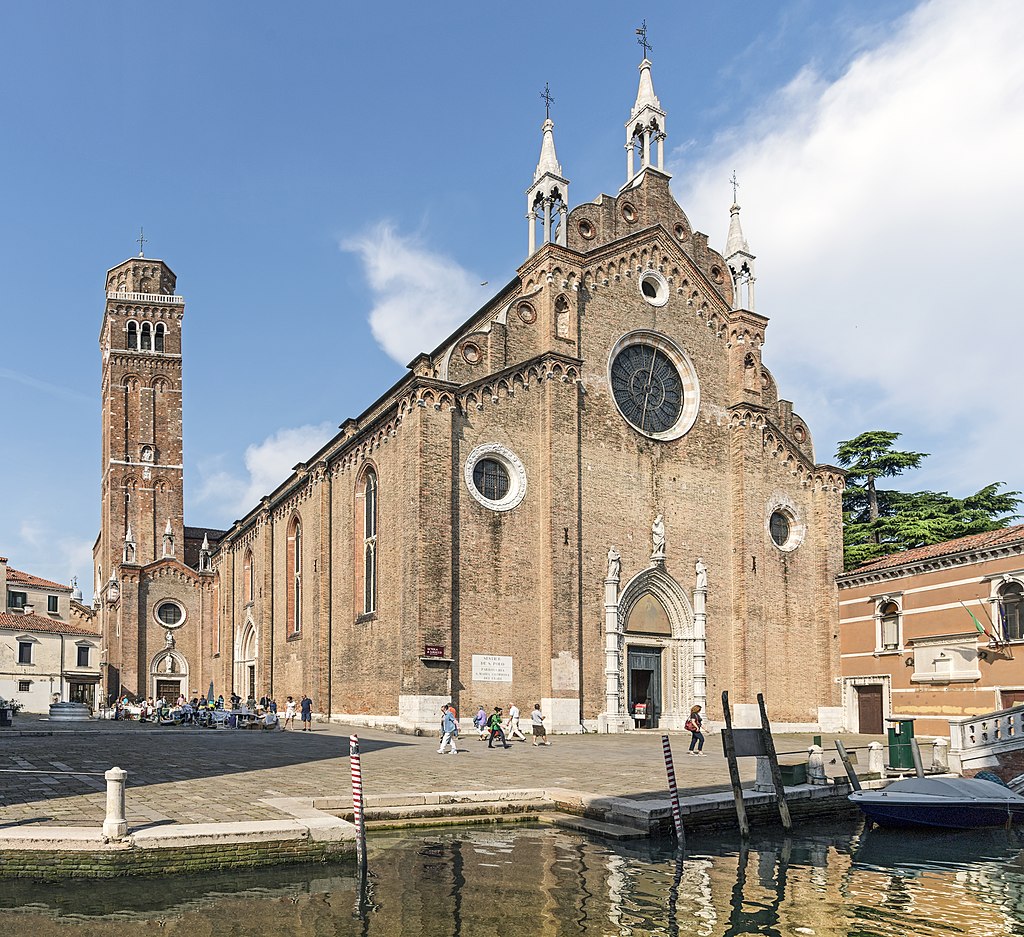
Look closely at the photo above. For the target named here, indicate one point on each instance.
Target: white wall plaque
(488, 668)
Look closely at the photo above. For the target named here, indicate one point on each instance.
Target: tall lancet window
(147, 337)
(133, 336)
(158, 337)
(247, 576)
(368, 541)
(294, 573)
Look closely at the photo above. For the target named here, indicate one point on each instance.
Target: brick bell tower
(142, 491)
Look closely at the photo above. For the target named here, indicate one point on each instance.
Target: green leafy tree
(881, 521)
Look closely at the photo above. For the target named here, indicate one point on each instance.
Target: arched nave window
(133, 336)
(294, 576)
(158, 338)
(147, 337)
(368, 540)
(247, 576)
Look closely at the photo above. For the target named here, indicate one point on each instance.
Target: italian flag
(977, 624)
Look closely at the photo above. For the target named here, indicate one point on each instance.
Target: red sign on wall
(433, 650)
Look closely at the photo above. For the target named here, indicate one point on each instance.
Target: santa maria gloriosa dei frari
(590, 496)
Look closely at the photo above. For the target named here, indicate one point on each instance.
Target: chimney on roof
(28, 609)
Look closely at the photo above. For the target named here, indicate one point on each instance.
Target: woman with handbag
(693, 726)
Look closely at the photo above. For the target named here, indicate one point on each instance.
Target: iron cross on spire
(141, 240)
(642, 33)
(735, 185)
(548, 101)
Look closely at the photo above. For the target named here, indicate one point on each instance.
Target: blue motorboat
(949, 803)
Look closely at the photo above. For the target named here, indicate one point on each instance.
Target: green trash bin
(901, 755)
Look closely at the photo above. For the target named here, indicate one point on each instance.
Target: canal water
(509, 881)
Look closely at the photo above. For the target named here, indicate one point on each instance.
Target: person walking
(540, 734)
(480, 721)
(289, 713)
(306, 708)
(494, 729)
(693, 726)
(449, 730)
(514, 732)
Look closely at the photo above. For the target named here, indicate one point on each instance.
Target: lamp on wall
(908, 661)
(982, 655)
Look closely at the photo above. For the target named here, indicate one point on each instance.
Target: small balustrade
(146, 298)
(989, 729)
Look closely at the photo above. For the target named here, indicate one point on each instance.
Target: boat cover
(960, 789)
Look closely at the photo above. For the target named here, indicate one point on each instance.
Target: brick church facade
(589, 496)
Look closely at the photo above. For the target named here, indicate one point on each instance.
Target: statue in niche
(169, 640)
(614, 563)
(658, 537)
(702, 575)
(168, 664)
(147, 453)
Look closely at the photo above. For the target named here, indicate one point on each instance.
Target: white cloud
(884, 208)
(420, 296)
(231, 495)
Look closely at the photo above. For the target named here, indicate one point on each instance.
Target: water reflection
(531, 880)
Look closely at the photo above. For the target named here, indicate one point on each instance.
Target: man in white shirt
(514, 732)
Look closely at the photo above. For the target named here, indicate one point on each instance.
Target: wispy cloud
(885, 209)
(55, 389)
(229, 494)
(42, 550)
(420, 295)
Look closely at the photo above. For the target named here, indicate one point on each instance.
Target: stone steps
(613, 831)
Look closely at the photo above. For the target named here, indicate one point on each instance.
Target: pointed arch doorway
(655, 625)
(245, 662)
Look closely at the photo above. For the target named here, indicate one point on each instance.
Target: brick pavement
(184, 775)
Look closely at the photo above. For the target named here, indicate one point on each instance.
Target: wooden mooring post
(734, 771)
(773, 763)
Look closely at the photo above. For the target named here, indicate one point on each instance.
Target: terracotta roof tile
(27, 579)
(983, 541)
(10, 621)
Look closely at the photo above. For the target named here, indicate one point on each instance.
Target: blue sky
(332, 186)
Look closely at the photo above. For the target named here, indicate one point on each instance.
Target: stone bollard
(816, 766)
(940, 755)
(763, 782)
(876, 759)
(115, 825)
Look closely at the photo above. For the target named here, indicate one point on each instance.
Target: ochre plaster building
(911, 644)
(589, 496)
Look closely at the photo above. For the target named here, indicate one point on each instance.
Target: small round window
(495, 477)
(779, 528)
(491, 479)
(628, 212)
(170, 614)
(783, 526)
(654, 288)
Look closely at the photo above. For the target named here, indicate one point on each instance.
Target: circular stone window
(786, 533)
(680, 232)
(586, 230)
(527, 313)
(654, 385)
(628, 212)
(717, 275)
(654, 287)
(495, 477)
(471, 353)
(169, 614)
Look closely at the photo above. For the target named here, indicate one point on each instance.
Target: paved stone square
(186, 775)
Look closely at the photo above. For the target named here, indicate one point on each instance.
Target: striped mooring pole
(357, 798)
(672, 789)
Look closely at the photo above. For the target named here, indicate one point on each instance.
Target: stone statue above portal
(702, 575)
(614, 563)
(658, 537)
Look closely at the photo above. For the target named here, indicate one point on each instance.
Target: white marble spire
(547, 200)
(645, 129)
